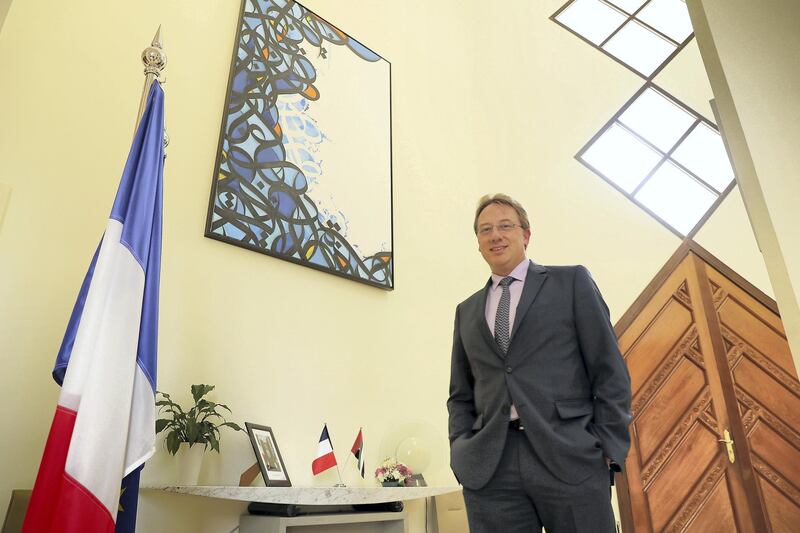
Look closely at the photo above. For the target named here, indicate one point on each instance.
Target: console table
(318, 503)
(341, 522)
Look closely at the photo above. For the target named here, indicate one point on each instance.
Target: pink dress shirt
(493, 299)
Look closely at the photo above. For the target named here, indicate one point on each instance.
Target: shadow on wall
(16, 511)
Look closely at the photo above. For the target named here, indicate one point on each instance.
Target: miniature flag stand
(358, 452)
(324, 460)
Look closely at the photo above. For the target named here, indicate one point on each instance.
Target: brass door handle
(728, 445)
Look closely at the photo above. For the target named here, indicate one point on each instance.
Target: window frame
(629, 17)
(665, 157)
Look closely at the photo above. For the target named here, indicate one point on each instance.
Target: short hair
(501, 199)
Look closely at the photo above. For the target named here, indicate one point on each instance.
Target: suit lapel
(536, 276)
(483, 326)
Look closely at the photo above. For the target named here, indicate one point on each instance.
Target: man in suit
(539, 393)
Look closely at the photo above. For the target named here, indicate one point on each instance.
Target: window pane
(670, 17)
(592, 19)
(657, 119)
(639, 47)
(676, 197)
(621, 157)
(628, 5)
(703, 153)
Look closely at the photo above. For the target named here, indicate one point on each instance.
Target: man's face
(502, 250)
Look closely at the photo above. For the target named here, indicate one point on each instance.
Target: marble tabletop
(309, 495)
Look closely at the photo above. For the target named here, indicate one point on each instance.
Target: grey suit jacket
(563, 372)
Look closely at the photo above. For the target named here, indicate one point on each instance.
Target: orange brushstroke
(311, 93)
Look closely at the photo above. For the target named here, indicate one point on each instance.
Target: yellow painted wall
(750, 51)
(4, 5)
(483, 100)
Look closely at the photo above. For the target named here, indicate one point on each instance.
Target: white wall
(483, 101)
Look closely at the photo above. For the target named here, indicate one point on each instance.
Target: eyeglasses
(505, 227)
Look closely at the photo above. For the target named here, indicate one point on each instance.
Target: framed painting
(303, 169)
(268, 456)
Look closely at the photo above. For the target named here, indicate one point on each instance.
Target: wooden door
(678, 475)
(767, 391)
(707, 353)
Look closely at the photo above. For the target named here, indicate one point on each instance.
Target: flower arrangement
(391, 471)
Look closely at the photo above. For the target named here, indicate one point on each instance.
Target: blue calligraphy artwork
(267, 161)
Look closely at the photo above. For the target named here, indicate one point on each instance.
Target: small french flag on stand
(325, 458)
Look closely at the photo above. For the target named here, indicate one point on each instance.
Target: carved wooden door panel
(678, 476)
(768, 395)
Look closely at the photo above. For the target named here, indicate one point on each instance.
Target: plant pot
(392, 484)
(190, 461)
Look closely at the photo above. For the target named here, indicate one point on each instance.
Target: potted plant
(188, 429)
(392, 473)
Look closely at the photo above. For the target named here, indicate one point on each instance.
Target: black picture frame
(270, 461)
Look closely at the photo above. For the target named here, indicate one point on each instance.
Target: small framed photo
(269, 457)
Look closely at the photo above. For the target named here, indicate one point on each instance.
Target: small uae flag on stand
(358, 451)
(325, 458)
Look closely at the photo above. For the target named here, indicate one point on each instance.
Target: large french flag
(104, 426)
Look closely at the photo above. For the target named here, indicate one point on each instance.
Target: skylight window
(631, 6)
(663, 156)
(703, 153)
(675, 197)
(592, 19)
(642, 35)
(639, 48)
(622, 157)
(658, 119)
(670, 17)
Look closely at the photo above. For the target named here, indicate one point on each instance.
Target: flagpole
(348, 461)
(154, 60)
(338, 473)
(351, 453)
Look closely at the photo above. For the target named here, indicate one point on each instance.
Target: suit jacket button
(508, 370)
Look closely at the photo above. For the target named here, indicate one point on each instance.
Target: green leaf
(173, 442)
(198, 391)
(171, 407)
(192, 431)
(162, 424)
(209, 415)
(237, 427)
(214, 442)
